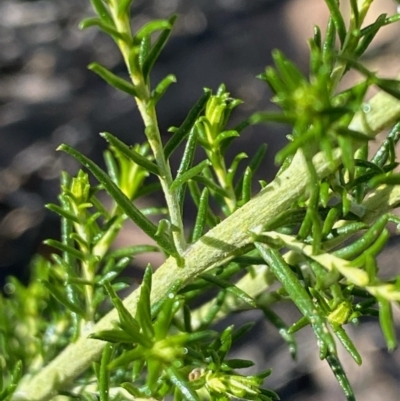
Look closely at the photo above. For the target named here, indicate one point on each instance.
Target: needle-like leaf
(120, 198)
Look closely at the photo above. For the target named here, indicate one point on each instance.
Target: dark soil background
(47, 97)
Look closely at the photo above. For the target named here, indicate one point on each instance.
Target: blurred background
(47, 97)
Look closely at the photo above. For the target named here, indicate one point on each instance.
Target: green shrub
(314, 232)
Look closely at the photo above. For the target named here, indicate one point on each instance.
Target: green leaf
(225, 343)
(63, 298)
(368, 34)
(112, 79)
(328, 47)
(201, 217)
(144, 49)
(209, 317)
(157, 306)
(264, 117)
(317, 37)
(226, 285)
(355, 13)
(258, 157)
(272, 78)
(178, 380)
(341, 376)
(6, 394)
(384, 179)
(246, 186)
(111, 266)
(197, 337)
(143, 314)
(387, 323)
(210, 183)
(189, 174)
(164, 316)
(128, 357)
(186, 163)
(226, 135)
(154, 371)
(234, 166)
(291, 148)
(162, 87)
(241, 331)
(195, 194)
(147, 190)
(337, 18)
(157, 48)
(299, 296)
(153, 26)
(184, 130)
(390, 86)
(348, 344)
(315, 53)
(268, 395)
(131, 251)
(366, 241)
(104, 374)
(279, 324)
(112, 336)
(121, 199)
(123, 7)
(127, 322)
(102, 11)
(105, 27)
(382, 154)
(130, 153)
(355, 135)
(237, 364)
(289, 73)
(164, 226)
(132, 389)
(331, 218)
(62, 212)
(66, 248)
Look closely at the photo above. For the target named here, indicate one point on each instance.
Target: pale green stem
(165, 177)
(148, 112)
(87, 267)
(219, 167)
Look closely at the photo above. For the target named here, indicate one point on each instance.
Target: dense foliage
(316, 230)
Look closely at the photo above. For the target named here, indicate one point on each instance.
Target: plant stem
(148, 112)
(218, 164)
(153, 134)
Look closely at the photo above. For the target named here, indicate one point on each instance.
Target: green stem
(218, 164)
(148, 112)
(165, 177)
